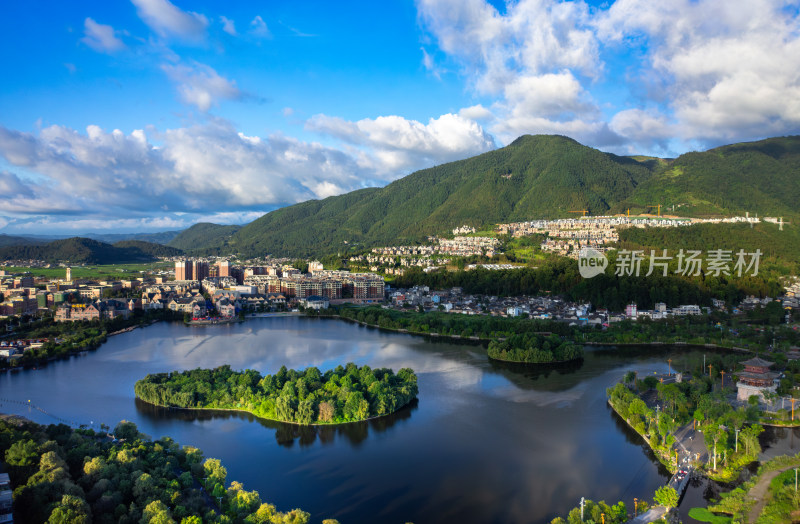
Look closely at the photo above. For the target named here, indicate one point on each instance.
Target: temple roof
(757, 362)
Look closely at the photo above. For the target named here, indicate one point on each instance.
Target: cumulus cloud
(400, 145)
(476, 112)
(228, 25)
(193, 169)
(167, 20)
(532, 59)
(200, 85)
(705, 71)
(729, 71)
(101, 37)
(25, 197)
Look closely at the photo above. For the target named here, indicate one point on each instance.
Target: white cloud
(400, 145)
(101, 37)
(201, 86)
(476, 112)
(713, 71)
(532, 60)
(727, 69)
(640, 126)
(429, 64)
(193, 169)
(167, 20)
(258, 27)
(228, 25)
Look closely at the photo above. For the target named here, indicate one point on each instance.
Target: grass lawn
(109, 272)
(703, 515)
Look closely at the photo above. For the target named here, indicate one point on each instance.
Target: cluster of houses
(458, 246)
(11, 348)
(546, 308)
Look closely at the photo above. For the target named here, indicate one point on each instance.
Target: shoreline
(318, 424)
(655, 452)
(552, 363)
(405, 331)
(677, 343)
(581, 342)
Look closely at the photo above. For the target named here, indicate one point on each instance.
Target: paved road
(691, 443)
(651, 515)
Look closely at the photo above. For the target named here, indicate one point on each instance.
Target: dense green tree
(23, 453)
(666, 496)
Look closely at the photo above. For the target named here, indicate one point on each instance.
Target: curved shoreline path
(759, 492)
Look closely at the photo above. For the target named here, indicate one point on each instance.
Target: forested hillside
(203, 235)
(87, 251)
(535, 176)
(539, 176)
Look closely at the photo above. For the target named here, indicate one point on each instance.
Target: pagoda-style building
(756, 379)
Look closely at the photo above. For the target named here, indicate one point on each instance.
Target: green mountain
(758, 177)
(535, 176)
(79, 250)
(205, 236)
(541, 176)
(148, 248)
(162, 237)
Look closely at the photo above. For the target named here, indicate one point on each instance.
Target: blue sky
(153, 115)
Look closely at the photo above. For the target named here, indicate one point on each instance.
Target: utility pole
(723, 380)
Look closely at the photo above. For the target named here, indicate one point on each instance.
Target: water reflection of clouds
(559, 399)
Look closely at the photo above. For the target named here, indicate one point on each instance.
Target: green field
(102, 272)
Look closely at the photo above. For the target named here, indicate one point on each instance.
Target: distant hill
(10, 240)
(205, 236)
(164, 237)
(79, 250)
(148, 248)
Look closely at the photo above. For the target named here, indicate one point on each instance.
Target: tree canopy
(343, 394)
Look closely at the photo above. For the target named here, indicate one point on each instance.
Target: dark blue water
(484, 443)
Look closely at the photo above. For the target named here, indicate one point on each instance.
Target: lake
(484, 443)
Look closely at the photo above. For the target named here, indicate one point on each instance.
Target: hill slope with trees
(542, 176)
(79, 250)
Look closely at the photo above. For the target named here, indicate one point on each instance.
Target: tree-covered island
(344, 394)
(534, 348)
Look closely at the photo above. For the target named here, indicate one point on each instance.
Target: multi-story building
(199, 270)
(183, 270)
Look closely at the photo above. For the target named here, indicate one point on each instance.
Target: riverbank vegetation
(79, 476)
(731, 435)
(534, 348)
(344, 394)
(69, 338)
(446, 324)
(773, 484)
(718, 328)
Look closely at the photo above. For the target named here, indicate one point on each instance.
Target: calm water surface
(485, 443)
